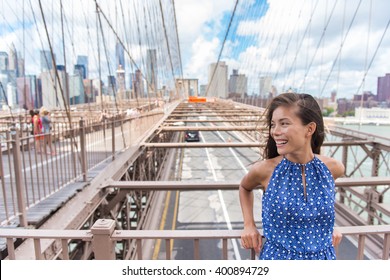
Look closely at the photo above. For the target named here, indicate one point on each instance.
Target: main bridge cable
(71, 36)
(45, 57)
(54, 63)
(178, 42)
(165, 72)
(67, 110)
(106, 53)
(140, 48)
(150, 75)
(118, 38)
(109, 70)
(251, 65)
(166, 40)
(254, 66)
(121, 42)
(223, 45)
(156, 73)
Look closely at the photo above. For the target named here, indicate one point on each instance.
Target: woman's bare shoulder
(260, 173)
(335, 166)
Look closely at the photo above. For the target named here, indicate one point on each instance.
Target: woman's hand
(336, 238)
(251, 238)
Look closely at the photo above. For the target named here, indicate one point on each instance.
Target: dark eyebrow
(281, 120)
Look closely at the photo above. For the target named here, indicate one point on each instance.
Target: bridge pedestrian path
(35, 185)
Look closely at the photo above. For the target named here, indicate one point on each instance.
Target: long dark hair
(308, 111)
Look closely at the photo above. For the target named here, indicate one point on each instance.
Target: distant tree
(349, 113)
(327, 111)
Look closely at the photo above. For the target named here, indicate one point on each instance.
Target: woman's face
(290, 135)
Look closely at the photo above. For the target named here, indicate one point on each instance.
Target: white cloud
(202, 53)
(198, 25)
(289, 47)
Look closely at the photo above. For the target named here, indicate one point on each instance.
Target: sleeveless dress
(299, 226)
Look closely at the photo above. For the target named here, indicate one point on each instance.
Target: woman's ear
(311, 128)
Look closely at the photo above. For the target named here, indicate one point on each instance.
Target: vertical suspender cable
(365, 63)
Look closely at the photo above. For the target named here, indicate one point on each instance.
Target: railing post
(375, 155)
(386, 247)
(18, 177)
(345, 162)
(102, 244)
(372, 197)
(73, 135)
(113, 138)
(83, 150)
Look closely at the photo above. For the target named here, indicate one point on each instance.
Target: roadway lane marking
(162, 225)
(223, 205)
(175, 212)
(238, 160)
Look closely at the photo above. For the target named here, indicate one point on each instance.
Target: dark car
(192, 136)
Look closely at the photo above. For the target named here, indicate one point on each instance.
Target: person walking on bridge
(37, 128)
(299, 185)
(46, 125)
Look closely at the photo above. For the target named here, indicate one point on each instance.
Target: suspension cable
(223, 45)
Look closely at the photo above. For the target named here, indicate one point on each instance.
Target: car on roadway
(192, 136)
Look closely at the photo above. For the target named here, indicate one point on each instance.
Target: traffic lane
(205, 208)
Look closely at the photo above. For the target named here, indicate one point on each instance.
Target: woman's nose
(275, 129)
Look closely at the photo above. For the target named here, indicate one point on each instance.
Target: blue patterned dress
(299, 227)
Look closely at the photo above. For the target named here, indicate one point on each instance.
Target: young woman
(299, 189)
(46, 129)
(37, 128)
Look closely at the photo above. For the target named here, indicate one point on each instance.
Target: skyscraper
(27, 91)
(3, 85)
(54, 91)
(4, 61)
(383, 93)
(138, 85)
(265, 86)
(79, 69)
(120, 56)
(151, 75)
(111, 85)
(13, 61)
(46, 61)
(218, 80)
(76, 89)
(121, 85)
(238, 84)
(83, 60)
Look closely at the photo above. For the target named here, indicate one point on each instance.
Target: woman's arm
(250, 236)
(337, 169)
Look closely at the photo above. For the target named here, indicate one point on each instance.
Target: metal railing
(103, 237)
(31, 173)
